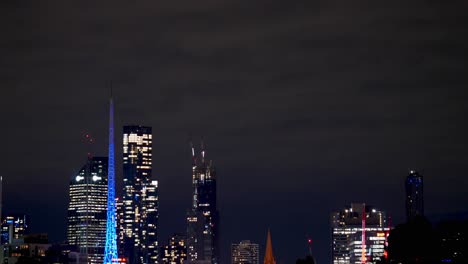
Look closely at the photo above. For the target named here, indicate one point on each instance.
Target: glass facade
(87, 210)
(414, 195)
(138, 208)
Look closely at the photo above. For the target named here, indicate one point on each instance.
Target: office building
(175, 252)
(87, 210)
(138, 215)
(245, 253)
(202, 217)
(358, 232)
(414, 195)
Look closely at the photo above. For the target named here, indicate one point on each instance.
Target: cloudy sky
(305, 106)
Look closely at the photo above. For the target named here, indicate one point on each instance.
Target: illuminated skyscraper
(244, 253)
(348, 236)
(87, 210)
(414, 195)
(202, 218)
(175, 252)
(138, 218)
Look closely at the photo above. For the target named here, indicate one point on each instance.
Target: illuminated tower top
(269, 258)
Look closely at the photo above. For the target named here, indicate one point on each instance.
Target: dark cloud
(305, 106)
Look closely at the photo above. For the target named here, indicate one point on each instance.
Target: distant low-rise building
(33, 246)
(14, 227)
(245, 252)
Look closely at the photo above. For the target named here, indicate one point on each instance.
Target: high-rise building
(175, 252)
(87, 210)
(359, 231)
(138, 215)
(269, 258)
(414, 195)
(14, 227)
(244, 253)
(202, 218)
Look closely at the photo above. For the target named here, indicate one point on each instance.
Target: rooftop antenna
(203, 151)
(309, 245)
(194, 159)
(110, 250)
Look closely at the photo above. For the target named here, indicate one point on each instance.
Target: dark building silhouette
(414, 195)
(138, 208)
(453, 241)
(202, 218)
(414, 242)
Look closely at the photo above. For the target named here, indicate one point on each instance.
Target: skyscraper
(358, 232)
(244, 253)
(139, 205)
(175, 252)
(87, 210)
(414, 195)
(202, 218)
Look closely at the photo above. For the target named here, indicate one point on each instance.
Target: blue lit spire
(110, 252)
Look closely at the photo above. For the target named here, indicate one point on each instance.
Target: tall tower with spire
(110, 251)
(269, 258)
(202, 217)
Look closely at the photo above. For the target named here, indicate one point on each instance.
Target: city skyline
(305, 107)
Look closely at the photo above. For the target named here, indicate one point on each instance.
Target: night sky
(305, 106)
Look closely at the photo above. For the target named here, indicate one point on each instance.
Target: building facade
(14, 227)
(175, 252)
(358, 232)
(87, 210)
(30, 248)
(414, 195)
(245, 253)
(203, 217)
(138, 208)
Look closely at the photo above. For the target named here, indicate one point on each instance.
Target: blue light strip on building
(110, 252)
